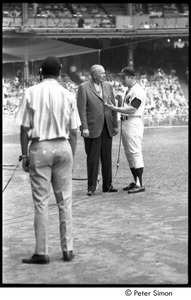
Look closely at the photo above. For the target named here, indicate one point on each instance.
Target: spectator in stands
(16, 82)
(81, 22)
(153, 24)
(74, 74)
(35, 6)
(20, 76)
(73, 68)
(146, 26)
(173, 72)
(143, 81)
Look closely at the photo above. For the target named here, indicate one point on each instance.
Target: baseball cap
(127, 71)
(51, 66)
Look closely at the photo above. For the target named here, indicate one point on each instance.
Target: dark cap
(51, 66)
(127, 71)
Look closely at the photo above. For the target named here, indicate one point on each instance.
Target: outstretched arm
(125, 110)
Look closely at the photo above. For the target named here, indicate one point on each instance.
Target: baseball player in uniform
(131, 107)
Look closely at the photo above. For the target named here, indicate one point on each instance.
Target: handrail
(80, 30)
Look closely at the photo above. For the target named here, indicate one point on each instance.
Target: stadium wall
(165, 120)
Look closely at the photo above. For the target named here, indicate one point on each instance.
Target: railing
(96, 22)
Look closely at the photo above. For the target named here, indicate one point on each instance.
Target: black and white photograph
(95, 156)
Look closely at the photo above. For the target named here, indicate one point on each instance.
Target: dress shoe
(68, 255)
(129, 187)
(90, 193)
(110, 190)
(37, 259)
(136, 189)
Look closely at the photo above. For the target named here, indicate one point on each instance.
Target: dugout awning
(7, 58)
(15, 50)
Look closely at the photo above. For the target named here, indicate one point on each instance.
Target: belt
(37, 139)
(123, 118)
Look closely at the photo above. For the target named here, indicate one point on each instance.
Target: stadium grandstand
(152, 37)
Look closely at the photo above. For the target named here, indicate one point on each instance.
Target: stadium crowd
(94, 15)
(164, 93)
(95, 10)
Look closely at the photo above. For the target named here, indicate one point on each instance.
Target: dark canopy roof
(15, 50)
(7, 58)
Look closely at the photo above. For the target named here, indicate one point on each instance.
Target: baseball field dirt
(119, 239)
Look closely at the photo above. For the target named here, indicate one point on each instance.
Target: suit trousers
(51, 163)
(99, 149)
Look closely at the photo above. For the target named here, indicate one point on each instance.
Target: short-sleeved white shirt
(49, 110)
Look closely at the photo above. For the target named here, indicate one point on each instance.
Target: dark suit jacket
(92, 109)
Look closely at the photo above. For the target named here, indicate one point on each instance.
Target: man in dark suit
(99, 125)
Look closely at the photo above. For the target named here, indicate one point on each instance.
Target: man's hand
(85, 133)
(115, 131)
(110, 105)
(25, 164)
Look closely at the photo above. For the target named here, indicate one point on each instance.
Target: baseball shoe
(90, 193)
(36, 259)
(110, 190)
(136, 189)
(129, 187)
(68, 255)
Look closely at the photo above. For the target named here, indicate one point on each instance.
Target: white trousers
(51, 162)
(132, 136)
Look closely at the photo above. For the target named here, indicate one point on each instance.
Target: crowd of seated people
(165, 98)
(96, 10)
(14, 12)
(167, 9)
(68, 14)
(150, 25)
